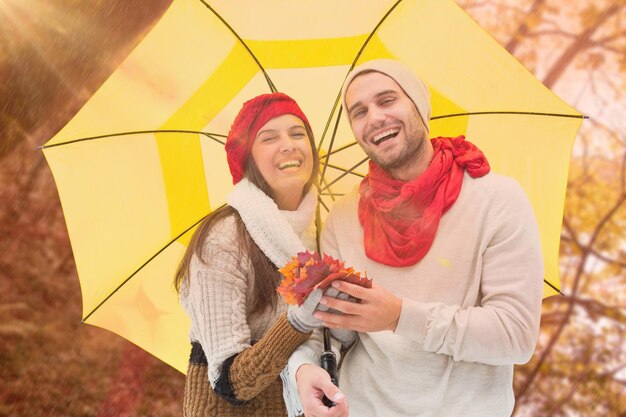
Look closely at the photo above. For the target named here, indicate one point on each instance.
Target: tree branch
(582, 42)
(577, 277)
(574, 239)
(523, 28)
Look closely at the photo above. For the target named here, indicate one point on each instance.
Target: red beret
(252, 116)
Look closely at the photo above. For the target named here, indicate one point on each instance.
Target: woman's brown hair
(266, 274)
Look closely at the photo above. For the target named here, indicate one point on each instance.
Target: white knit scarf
(280, 234)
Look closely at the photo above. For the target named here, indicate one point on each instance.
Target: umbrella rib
(346, 170)
(356, 58)
(349, 171)
(213, 136)
(358, 55)
(319, 199)
(330, 194)
(338, 150)
(330, 117)
(267, 77)
(552, 286)
(526, 113)
(142, 266)
(332, 141)
(471, 114)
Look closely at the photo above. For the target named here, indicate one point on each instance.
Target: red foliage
(310, 270)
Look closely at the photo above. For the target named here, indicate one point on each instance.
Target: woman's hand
(301, 317)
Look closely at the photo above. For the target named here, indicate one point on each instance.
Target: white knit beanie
(412, 85)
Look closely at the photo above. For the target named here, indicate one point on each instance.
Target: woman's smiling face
(282, 154)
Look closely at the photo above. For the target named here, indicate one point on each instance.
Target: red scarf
(400, 219)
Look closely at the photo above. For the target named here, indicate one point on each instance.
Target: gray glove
(335, 293)
(345, 336)
(301, 318)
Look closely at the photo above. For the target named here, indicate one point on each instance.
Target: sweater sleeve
(503, 329)
(256, 367)
(217, 305)
(310, 351)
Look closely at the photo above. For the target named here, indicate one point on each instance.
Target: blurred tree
(579, 49)
(53, 56)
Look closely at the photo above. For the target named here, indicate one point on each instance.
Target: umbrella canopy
(143, 162)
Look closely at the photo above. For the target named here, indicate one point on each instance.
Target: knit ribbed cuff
(413, 321)
(258, 365)
(287, 334)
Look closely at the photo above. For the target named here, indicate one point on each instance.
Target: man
(455, 257)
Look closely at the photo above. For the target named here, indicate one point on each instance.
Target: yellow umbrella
(142, 162)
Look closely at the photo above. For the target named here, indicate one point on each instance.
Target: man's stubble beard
(410, 155)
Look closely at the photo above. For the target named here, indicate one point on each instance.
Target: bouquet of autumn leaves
(308, 271)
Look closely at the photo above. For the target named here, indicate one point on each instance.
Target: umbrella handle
(328, 362)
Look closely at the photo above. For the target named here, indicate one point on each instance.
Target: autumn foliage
(310, 270)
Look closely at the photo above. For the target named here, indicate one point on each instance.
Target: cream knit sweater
(216, 295)
(471, 309)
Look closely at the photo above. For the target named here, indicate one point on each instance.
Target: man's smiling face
(385, 121)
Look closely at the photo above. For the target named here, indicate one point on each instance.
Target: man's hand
(313, 383)
(377, 310)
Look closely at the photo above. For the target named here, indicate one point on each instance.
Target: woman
(242, 334)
